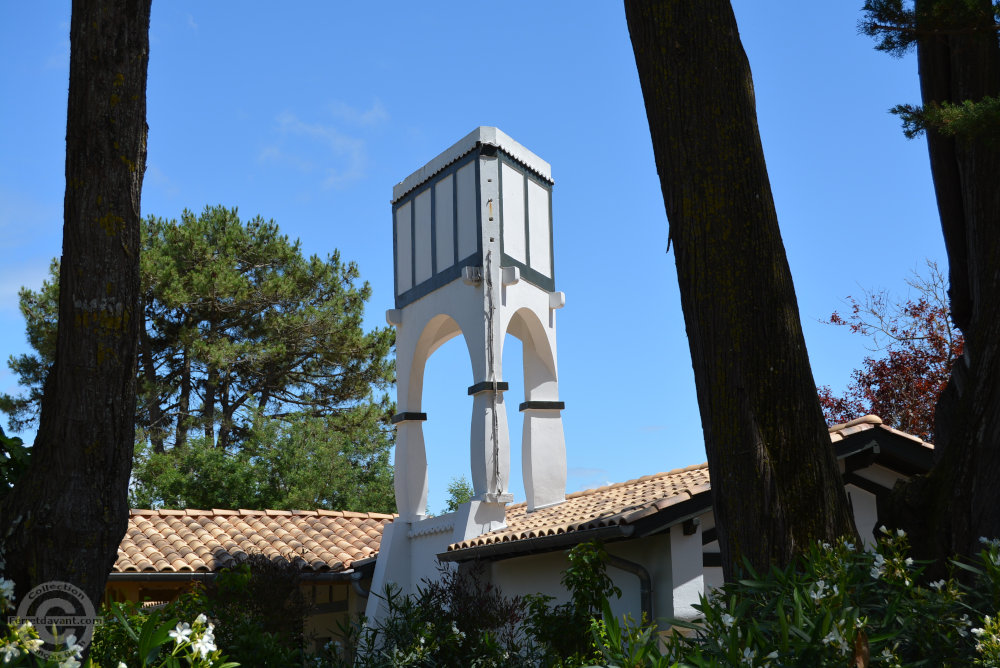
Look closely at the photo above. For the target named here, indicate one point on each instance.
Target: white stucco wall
(542, 573)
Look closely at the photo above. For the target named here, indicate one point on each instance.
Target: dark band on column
(408, 417)
(542, 405)
(488, 386)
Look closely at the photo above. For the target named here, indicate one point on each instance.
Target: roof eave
(652, 524)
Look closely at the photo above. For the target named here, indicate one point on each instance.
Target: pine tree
(244, 336)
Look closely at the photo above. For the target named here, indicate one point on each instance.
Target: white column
(686, 570)
(490, 442)
(543, 453)
(410, 465)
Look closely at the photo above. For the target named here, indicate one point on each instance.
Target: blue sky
(310, 114)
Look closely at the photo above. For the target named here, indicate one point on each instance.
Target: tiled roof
(626, 502)
(186, 541)
(618, 504)
(839, 432)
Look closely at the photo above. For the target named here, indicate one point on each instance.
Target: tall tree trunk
(958, 502)
(66, 516)
(775, 481)
(184, 403)
(151, 395)
(208, 405)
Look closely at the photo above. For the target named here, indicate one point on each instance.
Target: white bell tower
(472, 241)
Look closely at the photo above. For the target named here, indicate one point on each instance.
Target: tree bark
(153, 407)
(775, 482)
(958, 502)
(66, 516)
(185, 399)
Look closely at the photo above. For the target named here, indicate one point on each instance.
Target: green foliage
(338, 462)
(627, 645)
(261, 612)
(977, 121)
(897, 25)
(129, 636)
(837, 606)
(41, 312)
(462, 620)
(459, 491)
(257, 612)
(245, 340)
(561, 632)
(13, 461)
(457, 620)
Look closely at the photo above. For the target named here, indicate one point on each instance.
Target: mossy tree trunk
(959, 501)
(775, 480)
(66, 516)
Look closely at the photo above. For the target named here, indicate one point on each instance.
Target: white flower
(69, 662)
(817, 592)
(727, 619)
(6, 588)
(849, 545)
(834, 637)
(978, 632)
(879, 564)
(937, 585)
(182, 633)
(121, 664)
(72, 647)
(200, 619)
(900, 533)
(749, 655)
(203, 647)
(909, 561)
(33, 644)
(9, 652)
(884, 530)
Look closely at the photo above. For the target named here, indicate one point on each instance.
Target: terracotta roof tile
(838, 432)
(620, 503)
(626, 502)
(183, 541)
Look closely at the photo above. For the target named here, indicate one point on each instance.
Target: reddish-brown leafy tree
(918, 345)
(958, 57)
(64, 518)
(699, 102)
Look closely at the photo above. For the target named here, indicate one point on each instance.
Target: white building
(474, 256)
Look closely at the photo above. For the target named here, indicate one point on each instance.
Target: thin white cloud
(191, 23)
(349, 153)
(155, 177)
(653, 427)
(59, 57)
(372, 116)
(15, 276)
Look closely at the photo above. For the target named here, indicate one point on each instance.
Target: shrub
(835, 606)
(456, 620)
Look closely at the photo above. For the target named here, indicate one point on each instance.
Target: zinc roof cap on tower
(487, 136)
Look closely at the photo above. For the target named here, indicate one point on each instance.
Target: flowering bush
(156, 643)
(836, 606)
